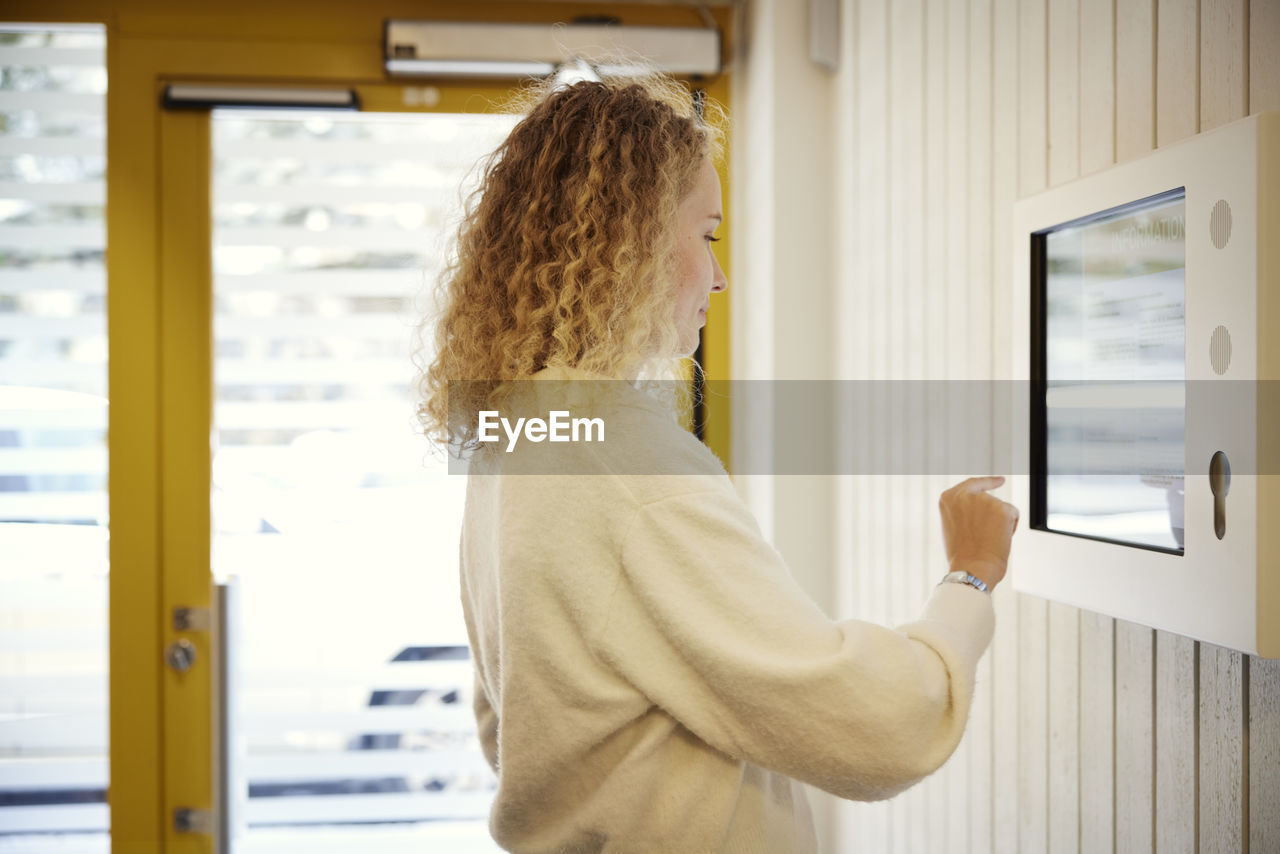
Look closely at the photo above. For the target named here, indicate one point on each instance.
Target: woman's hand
(977, 528)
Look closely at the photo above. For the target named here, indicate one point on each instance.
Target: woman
(649, 677)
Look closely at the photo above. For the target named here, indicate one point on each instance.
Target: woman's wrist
(989, 575)
(961, 577)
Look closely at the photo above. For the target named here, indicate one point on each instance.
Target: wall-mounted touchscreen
(1114, 378)
(1145, 358)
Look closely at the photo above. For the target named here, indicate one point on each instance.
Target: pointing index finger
(982, 484)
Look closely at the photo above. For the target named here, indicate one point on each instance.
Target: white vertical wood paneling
(1135, 78)
(1221, 771)
(927, 554)
(872, 215)
(1176, 711)
(1134, 645)
(1097, 650)
(1005, 652)
(977, 282)
(874, 37)
(1032, 72)
(1264, 55)
(1264, 754)
(1097, 87)
(1135, 757)
(852, 314)
(1064, 620)
(849, 571)
(905, 84)
(848, 322)
(1088, 733)
(856, 823)
(957, 107)
(936, 207)
(935, 218)
(978, 358)
(909, 177)
(1177, 63)
(1004, 723)
(871, 56)
(1097, 733)
(1033, 661)
(1224, 56)
(980, 439)
(957, 306)
(1064, 728)
(1064, 90)
(1033, 807)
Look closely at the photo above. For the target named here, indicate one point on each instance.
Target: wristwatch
(965, 578)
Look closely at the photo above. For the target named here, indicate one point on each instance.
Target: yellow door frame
(159, 323)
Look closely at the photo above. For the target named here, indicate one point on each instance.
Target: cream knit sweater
(650, 678)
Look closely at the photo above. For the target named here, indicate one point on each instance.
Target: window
(53, 461)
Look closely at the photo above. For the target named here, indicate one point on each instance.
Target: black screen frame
(1038, 428)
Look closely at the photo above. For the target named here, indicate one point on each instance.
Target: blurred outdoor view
(338, 525)
(53, 419)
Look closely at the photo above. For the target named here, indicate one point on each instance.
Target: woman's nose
(720, 282)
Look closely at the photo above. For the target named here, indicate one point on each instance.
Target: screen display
(1114, 339)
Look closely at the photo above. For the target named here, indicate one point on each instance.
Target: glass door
(53, 456)
(335, 526)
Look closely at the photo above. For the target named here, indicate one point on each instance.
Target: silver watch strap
(965, 578)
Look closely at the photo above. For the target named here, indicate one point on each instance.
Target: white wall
(872, 211)
(784, 275)
(783, 278)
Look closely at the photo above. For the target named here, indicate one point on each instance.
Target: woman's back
(587, 761)
(644, 655)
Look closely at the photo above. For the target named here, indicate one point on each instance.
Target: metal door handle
(180, 655)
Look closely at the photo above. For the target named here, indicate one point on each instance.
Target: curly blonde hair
(564, 256)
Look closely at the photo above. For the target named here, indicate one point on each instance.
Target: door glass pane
(351, 693)
(53, 459)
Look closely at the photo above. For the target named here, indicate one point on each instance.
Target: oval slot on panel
(1219, 485)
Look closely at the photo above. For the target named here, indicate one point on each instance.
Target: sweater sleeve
(708, 623)
(486, 724)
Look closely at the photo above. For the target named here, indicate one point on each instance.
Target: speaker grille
(1220, 350)
(1220, 224)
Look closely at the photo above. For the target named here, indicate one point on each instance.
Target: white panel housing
(1226, 591)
